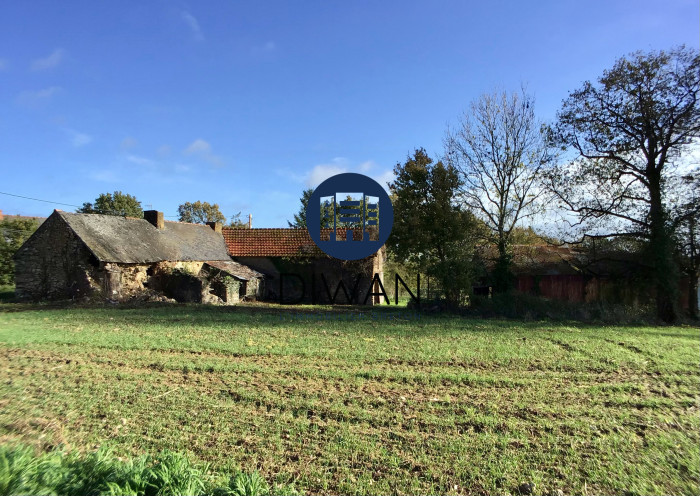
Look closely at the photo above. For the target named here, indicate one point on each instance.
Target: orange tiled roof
(273, 242)
(276, 242)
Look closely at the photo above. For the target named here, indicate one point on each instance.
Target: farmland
(329, 400)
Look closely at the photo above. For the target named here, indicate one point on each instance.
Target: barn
(297, 271)
(75, 255)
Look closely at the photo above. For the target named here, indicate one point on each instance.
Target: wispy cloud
(322, 172)
(164, 150)
(36, 97)
(105, 176)
(53, 60)
(193, 24)
(202, 149)
(77, 138)
(338, 165)
(135, 159)
(128, 143)
(267, 47)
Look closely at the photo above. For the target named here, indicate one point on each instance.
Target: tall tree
(200, 212)
(431, 232)
(13, 233)
(500, 149)
(300, 216)
(629, 131)
(116, 203)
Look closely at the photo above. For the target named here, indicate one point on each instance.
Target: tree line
(614, 168)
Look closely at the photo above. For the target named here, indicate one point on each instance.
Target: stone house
(74, 255)
(296, 270)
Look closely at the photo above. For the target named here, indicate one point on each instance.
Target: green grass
(101, 472)
(327, 402)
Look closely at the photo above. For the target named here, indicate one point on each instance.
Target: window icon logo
(349, 216)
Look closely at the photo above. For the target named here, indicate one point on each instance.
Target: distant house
(297, 270)
(75, 255)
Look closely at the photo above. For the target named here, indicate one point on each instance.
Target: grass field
(329, 402)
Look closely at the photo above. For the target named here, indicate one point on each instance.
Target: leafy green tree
(500, 150)
(431, 232)
(629, 131)
(200, 212)
(116, 203)
(300, 216)
(13, 233)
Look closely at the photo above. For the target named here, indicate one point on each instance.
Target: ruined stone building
(296, 270)
(75, 255)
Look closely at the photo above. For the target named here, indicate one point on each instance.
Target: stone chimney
(250, 221)
(154, 217)
(215, 225)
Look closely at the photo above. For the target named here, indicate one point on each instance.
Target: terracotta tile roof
(276, 242)
(273, 242)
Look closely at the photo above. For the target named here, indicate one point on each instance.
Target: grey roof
(127, 240)
(239, 271)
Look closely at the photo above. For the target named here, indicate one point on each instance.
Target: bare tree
(629, 131)
(500, 149)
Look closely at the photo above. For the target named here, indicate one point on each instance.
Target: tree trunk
(503, 278)
(693, 293)
(664, 269)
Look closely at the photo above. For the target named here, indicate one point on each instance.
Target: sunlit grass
(386, 402)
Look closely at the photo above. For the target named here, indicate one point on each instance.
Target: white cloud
(77, 138)
(322, 172)
(49, 62)
(31, 98)
(203, 150)
(105, 176)
(128, 143)
(198, 146)
(193, 24)
(338, 165)
(384, 178)
(365, 167)
(135, 159)
(164, 150)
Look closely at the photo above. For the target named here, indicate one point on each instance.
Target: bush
(22, 471)
(517, 305)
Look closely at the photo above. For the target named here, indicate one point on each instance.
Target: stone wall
(55, 264)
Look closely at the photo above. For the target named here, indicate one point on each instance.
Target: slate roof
(128, 240)
(272, 242)
(235, 269)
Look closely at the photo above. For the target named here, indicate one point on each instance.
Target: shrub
(517, 305)
(22, 471)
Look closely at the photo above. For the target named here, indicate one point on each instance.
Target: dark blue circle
(349, 182)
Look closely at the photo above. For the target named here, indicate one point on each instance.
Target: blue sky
(247, 103)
